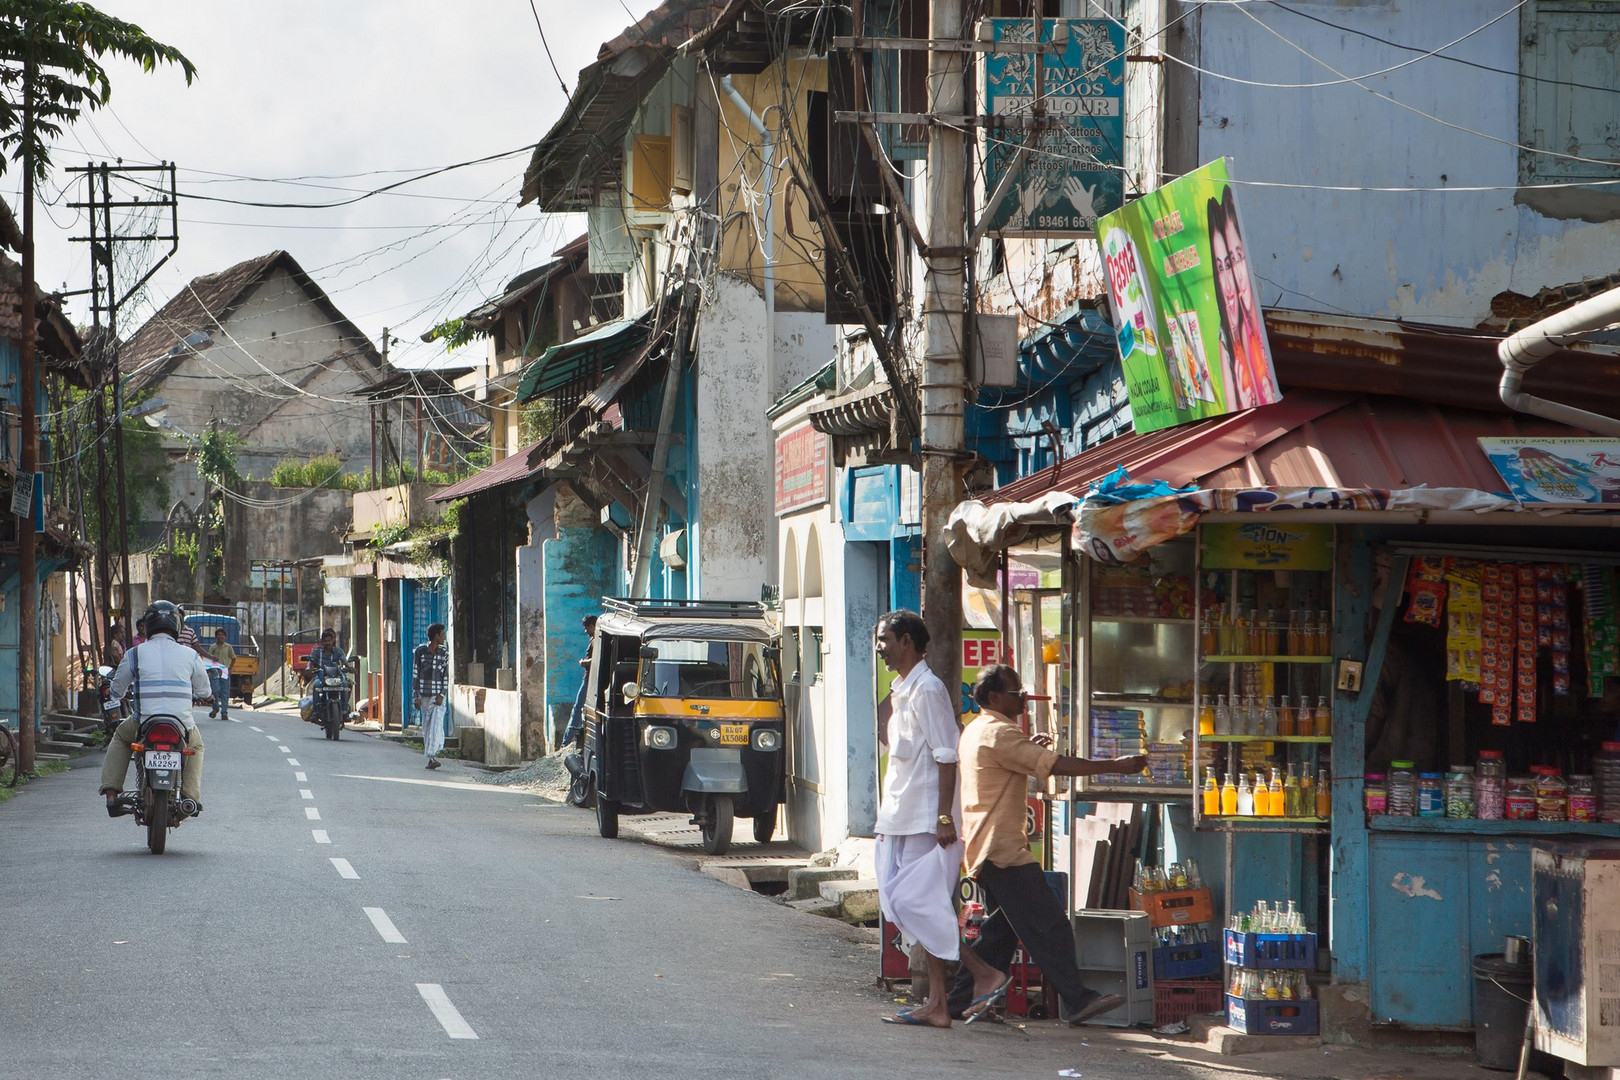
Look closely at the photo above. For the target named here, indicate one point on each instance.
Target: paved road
(338, 911)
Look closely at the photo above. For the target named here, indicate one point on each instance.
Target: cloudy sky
(315, 101)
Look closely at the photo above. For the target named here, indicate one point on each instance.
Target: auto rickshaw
(683, 712)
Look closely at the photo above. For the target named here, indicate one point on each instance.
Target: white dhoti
(916, 881)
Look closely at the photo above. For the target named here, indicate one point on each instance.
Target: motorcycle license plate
(163, 759)
(733, 734)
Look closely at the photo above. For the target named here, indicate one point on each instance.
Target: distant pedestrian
(997, 761)
(113, 651)
(222, 654)
(576, 719)
(430, 666)
(188, 636)
(919, 850)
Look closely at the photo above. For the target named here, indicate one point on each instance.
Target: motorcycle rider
(167, 677)
(323, 656)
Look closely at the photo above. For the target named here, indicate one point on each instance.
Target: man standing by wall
(997, 761)
(430, 667)
(919, 852)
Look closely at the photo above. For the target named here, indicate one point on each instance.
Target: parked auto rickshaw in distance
(683, 712)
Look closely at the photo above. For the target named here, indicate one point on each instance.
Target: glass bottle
(1490, 785)
(1324, 634)
(1243, 800)
(1257, 633)
(1206, 717)
(1224, 633)
(1211, 795)
(1323, 718)
(1291, 794)
(1285, 717)
(1251, 716)
(1272, 638)
(1195, 880)
(1375, 794)
(1209, 633)
(1275, 802)
(1307, 793)
(1230, 797)
(1268, 718)
(1294, 633)
(1324, 795)
(1240, 632)
(1223, 716)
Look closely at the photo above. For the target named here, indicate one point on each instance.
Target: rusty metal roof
(510, 469)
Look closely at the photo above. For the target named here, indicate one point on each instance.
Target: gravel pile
(546, 777)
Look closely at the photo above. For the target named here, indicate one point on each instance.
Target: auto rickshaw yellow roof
(701, 620)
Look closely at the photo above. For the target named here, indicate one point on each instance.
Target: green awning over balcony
(589, 356)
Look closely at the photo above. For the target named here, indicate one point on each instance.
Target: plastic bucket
(1501, 1006)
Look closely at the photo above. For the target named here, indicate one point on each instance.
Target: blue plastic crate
(1271, 950)
(1189, 961)
(1253, 1016)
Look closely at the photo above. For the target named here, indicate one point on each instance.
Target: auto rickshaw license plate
(733, 734)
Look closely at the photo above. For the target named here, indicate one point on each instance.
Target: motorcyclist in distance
(167, 677)
(323, 656)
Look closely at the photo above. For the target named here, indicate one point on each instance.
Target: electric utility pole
(157, 193)
(28, 458)
(944, 371)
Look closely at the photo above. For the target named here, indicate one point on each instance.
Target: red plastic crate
(1173, 1001)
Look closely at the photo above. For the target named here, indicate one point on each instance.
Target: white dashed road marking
(321, 837)
(312, 814)
(454, 1026)
(260, 730)
(385, 926)
(285, 749)
(273, 738)
(300, 777)
(305, 793)
(293, 762)
(345, 870)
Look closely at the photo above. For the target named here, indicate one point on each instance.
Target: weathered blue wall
(580, 569)
(1434, 255)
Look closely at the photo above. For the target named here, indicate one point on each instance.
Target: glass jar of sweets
(1552, 794)
(1375, 794)
(1460, 792)
(1402, 789)
(1583, 803)
(1519, 801)
(1490, 785)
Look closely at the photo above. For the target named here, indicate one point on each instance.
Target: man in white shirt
(166, 676)
(919, 850)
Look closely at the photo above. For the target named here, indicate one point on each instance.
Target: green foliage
(184, 547)
(63, 42)
(216, 457)
(453, 332)
(322, 471)
(537, 419)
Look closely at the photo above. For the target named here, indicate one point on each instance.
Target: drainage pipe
(1523, 350)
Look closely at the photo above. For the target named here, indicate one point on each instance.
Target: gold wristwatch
(946, 819)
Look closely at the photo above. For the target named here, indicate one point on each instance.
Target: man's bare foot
(988, 991)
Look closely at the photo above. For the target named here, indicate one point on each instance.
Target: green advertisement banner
(1186, 312)
(1267, 546)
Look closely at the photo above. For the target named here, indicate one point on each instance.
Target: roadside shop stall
(1367, 680)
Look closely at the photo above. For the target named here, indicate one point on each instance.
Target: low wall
(498, 712)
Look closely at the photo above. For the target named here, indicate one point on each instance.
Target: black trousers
(1023, 908)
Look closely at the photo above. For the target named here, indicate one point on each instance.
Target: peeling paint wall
(1434, 256)
(735, 521)
(580, 566)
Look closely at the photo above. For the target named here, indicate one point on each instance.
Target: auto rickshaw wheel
(716, 825)
(765, 826)
(607, 817)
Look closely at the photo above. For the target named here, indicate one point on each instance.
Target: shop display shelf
(1190, 961)
(1271, 951)
(1105, 699)
(1320, 739)
(1258, 659)
(1175, 907)
(1264, 825)
(1255, 1016)
(1098, 617)
(1495, 827)
(1174, 1001)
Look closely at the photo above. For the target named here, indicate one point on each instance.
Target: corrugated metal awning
(600, 350)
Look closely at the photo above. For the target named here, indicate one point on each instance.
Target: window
(1567, 99)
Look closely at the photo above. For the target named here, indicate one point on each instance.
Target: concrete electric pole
(944, 374)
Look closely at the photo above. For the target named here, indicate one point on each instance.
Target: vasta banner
(1186, 312)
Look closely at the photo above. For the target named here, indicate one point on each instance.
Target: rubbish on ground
(1068, 1072)
(1177, 1028)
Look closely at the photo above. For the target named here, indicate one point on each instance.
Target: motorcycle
(159, 753)
(331, 691)
(113, 710)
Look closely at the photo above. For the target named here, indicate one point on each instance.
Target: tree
(50, 54)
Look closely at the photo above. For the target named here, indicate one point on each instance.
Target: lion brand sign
(801, 469)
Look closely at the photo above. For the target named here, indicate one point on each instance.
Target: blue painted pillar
(579, 571)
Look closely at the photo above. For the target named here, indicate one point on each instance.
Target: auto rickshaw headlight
(766, 739)
(660, 738)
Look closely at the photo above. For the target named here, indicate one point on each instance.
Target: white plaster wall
(1432, 256)
(734, 549)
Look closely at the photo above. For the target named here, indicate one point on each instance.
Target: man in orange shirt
(996, 761)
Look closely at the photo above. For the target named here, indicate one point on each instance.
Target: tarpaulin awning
(595, 352)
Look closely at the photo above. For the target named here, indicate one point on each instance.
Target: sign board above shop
(1186, 311)
(1558, 470)
(1074, 172)
(802, 469)
(1266, 545)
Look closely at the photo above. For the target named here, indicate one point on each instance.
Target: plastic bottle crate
(1174, 1001)
(1252, 950)
(1176, 907)
(1114, 952)
(1256, 1016)
(1189, 961)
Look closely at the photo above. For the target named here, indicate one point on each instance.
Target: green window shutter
(1574, 45)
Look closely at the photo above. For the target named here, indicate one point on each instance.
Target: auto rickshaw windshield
(739, 670)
